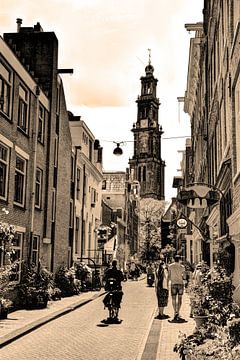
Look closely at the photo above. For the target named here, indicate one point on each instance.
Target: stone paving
(79, 334)
(22, 321)
(170, 331)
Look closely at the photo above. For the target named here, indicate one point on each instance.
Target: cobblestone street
(79, 334)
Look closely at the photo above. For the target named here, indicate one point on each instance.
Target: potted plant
(200, 304)
(33, 289)
(5, 289)
(5, 306)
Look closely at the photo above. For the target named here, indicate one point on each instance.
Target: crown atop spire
(149, 69)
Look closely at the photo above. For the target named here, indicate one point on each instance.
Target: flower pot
(200, 320)
(36, 300)
(3, 314)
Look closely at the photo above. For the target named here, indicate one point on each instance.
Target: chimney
(19, 23)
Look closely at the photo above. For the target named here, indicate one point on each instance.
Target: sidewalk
(170, 331)
(163, 335)
(23, 321)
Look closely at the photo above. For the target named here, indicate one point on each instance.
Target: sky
(106, 44)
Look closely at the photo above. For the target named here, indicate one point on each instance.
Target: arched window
(144, 173)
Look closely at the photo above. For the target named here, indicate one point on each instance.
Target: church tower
(146, 164)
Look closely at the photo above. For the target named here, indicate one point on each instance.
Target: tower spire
(149, 56)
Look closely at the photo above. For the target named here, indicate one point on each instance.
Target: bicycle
(112, 301)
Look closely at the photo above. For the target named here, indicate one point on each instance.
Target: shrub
(65, 280)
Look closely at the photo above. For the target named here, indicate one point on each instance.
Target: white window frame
(35, 249)
(23, 173)
(38, 184)
(5, 89)
(5, 163)
(23, 109)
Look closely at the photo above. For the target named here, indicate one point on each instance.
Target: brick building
(35, 143)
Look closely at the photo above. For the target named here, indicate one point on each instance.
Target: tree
(150, 214)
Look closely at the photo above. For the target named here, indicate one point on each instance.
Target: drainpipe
(34, 154)
(78, 147)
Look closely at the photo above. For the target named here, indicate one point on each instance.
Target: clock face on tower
(144, 123)
(143, 143)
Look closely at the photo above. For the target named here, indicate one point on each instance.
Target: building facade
(35, 145)
(212, 102)
(86, 193)
(114, 194)
(146, 163)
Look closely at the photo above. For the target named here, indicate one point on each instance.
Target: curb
(8, 338)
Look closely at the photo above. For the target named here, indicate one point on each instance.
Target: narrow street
(81, 335)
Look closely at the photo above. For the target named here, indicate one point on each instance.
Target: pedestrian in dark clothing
(161, 285)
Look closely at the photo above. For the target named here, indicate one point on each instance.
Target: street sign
(182, 223)
(198, 196)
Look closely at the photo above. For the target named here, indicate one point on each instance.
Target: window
(104, 185)
(78, 182)
(41, 123)
(38, 188)
(71, 214)
(139, 173)
(237, 123)
(17, 254)
(56, 151)
(93, 197)
(72, 168)
(20, 178)
(90, 146)
(53, 205)
(144, 173)
(5, 89)
(34, 249)
(77, 235)
(83, 247)
(23, 109)
(85, 138)
(4, 166)
(58, 100)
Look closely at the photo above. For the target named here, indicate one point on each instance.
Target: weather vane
(149, 57)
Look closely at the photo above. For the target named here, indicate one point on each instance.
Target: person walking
(176, 274)
(161, 286)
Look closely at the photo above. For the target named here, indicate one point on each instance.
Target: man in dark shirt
(114, 273)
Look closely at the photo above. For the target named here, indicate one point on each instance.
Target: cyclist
(117, 275)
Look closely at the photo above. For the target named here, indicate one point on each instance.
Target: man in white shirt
(176, 273)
